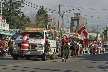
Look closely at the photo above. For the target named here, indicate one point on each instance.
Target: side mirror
(45, 33)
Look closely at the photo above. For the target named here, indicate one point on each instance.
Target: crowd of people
(6, 46)
(74, 48)
(69, 47)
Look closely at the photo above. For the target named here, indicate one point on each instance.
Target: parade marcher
(64, 48)
(2, 48)
(95, 47)
(77, 48)
(99, 48)
(91, 49)
(73, 46)
(10, 44)
(80, 48)
(102, 48)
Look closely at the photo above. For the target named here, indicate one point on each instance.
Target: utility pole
(59, 14)
(63, 21)
(59, 17)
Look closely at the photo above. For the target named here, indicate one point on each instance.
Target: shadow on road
(35, 69)
(5, 58)
(97, 57)
(55, 70)
(10, 58)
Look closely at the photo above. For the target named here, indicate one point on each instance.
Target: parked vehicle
(106, 46)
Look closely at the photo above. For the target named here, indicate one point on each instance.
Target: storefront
(4, 29)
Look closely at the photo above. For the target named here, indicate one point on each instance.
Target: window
(36, 35)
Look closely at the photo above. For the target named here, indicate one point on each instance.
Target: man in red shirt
(2, 45)
(2, 48)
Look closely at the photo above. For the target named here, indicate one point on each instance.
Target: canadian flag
(83, 31)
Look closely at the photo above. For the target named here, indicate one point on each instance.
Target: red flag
(85, 33)
(81, 30)
(86, 42)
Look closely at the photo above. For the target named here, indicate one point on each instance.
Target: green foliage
(105, 34)
(13, 15)
(41, 18)
(48, 49)
(105, 31)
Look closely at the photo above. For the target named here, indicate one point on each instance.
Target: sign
(4, 26)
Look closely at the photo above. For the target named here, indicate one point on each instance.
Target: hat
(26, 36)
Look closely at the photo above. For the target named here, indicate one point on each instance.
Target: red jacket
(3, 46)
(65, 41)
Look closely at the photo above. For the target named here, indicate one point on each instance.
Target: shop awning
(1, 32)
(7, 33)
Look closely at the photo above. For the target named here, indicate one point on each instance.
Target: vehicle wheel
(27, 58)
(43, 57)
(52, 57)
(15, 57)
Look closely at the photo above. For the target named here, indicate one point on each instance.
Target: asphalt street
(86, 63)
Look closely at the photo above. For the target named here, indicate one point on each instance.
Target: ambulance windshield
(37, 35)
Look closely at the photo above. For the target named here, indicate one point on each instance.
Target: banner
(4, 26)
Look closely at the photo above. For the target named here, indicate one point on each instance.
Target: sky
(95, 8)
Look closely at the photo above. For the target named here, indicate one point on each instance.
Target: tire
(52, 57)
(27, 58)
(15, 57)
(43, 57)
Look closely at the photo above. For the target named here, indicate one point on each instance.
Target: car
(106, 46)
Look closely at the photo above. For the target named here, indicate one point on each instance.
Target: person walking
(10, 44)
(72, 47)
(2, 48)
(64, 48)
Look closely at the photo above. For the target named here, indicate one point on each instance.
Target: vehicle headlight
(14, 45)
(15, 48)
(36, 48)
(40, 46)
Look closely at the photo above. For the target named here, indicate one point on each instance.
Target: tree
(105, 34)
(41, 18)
(13, 15)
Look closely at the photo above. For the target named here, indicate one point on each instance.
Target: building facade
(67, 30)
(77, 22)
(52, 22)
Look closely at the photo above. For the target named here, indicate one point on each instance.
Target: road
(86, 63)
